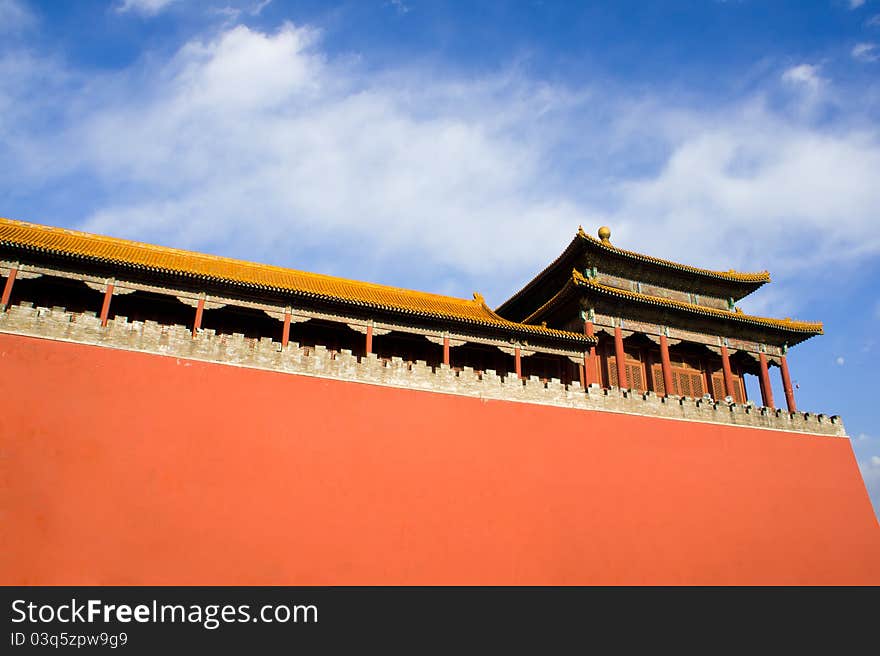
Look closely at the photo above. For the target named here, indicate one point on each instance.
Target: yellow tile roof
(738, 276)
(745, 283)
(162, 259)
(814, 328)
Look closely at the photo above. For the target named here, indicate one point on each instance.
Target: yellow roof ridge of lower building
(174, 260)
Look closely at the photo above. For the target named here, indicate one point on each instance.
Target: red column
(517, 362)
(369, 346)
(200, 308)
(285, 332)
(666, 365)
(620, 356)
(105, 309)
(590, 359)
(728, 373)
(7, 288)
(786, 385)
(766, 389)
(446, 350)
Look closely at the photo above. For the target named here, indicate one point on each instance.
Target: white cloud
(258, 8)
(855, 4)
(866, 52)
(840, 361)
(749, 181)
(805, 75)
(400, 6)
(232, 14)
(873, 21)
(258, 144)
(144, 7)
(255, 138)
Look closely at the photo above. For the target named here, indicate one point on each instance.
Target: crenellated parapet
(268, 354)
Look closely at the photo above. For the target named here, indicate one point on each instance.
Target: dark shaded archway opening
(481, 357)
(164, 309)
(52, 291)
(409, 347)
(546, 367)
(252, 323)
(335, 337)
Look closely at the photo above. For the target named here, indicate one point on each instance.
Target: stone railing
(177, 341)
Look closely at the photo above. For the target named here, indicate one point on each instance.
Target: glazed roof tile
(579, 280)
(737, 276)
(166, 260)
(738, 283)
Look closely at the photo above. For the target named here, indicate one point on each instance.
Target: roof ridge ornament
(605, 235)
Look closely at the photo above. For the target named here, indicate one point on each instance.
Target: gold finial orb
(605, 233)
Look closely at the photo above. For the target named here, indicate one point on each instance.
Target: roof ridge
(156, 248)
(731, 274)
(168, 260)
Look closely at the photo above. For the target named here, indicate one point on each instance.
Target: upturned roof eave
(578, 284)
(752, 280)
(741, 283)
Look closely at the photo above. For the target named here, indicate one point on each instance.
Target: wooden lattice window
(634, 376)
(688, 383)
(718, 386)
(659, 384)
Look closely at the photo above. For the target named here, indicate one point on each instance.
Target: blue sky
(456, 146)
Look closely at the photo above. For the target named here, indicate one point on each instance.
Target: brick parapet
(177, 341)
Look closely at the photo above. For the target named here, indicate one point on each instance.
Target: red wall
(126, 468)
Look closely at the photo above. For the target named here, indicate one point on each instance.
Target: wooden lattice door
(635, 376)
(718, 388)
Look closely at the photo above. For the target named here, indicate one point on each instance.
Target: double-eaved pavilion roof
(586, 249)
(161, 260)
(553, 295)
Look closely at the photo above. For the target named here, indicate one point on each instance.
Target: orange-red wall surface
(119, 467)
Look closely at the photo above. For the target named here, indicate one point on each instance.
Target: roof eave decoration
(804, 327)
(227, 271)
